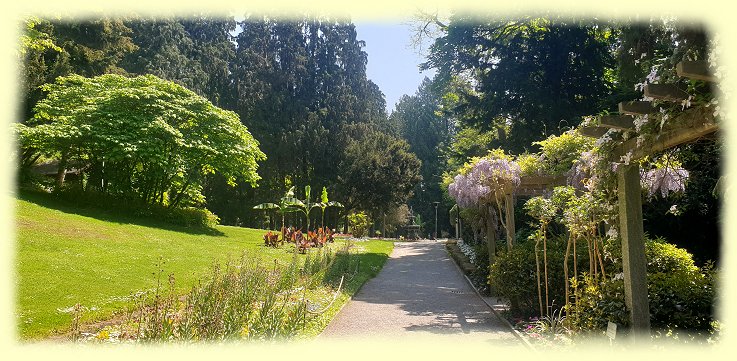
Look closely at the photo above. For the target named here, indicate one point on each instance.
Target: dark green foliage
(88, 48)
(196, 218)
(378, 171)
(420, 122)
(513, 275)
(681, 295)
(298, 82)
(295, 83)
(540, 74)
(700, 204)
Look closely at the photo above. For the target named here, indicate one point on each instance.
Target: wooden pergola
(693, 123)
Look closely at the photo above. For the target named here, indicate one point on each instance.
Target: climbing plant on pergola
(684, 126)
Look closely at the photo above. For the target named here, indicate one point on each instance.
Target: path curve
(419, 293)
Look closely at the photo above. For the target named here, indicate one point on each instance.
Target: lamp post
(436, 219)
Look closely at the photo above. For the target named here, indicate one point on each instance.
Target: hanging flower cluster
(485, 177)
(582, 175)
(466, 191)
(664, 180)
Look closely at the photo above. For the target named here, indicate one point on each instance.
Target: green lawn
(67, 255)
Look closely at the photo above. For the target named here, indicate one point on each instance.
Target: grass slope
(67, 255)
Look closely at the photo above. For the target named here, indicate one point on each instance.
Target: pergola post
(633, 249)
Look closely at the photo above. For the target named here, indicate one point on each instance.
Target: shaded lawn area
(66, 256)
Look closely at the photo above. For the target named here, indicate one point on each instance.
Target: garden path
(420, 293)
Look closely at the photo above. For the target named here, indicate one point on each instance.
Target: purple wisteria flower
(582, 176)
(486, 177)
(664, 180)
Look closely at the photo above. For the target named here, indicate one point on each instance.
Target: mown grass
(67, 256)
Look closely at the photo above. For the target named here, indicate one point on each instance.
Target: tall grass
(245, 300)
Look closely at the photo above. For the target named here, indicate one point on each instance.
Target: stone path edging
(496, 313)
(418, 294)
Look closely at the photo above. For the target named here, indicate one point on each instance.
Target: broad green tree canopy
(141, 135)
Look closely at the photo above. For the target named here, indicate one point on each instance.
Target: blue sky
(392, 62)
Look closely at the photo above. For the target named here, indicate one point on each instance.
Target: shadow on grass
(357, 268)
(112, 215)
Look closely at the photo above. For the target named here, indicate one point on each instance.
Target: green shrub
(681, 295)
(359, 224)
(480, 276)
(559, 152)
(191, 217)
(513, 274)
(530, 164)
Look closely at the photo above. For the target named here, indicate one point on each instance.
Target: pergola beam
(637, 107)
(622, 122)
(537, 185)
(593, 132)
(697, 70)
(667, 92)
(695, 123)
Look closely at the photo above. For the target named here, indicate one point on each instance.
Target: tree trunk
(61, 173)
(491, 236)
(537, 272)
(510, 228)
(178, 198)
(383, 227)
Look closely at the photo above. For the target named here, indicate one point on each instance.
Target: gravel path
(419, 293)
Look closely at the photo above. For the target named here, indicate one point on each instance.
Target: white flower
(626, 158)
(653, 77)
(612, 232)
(639, 121)
(673, 210)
